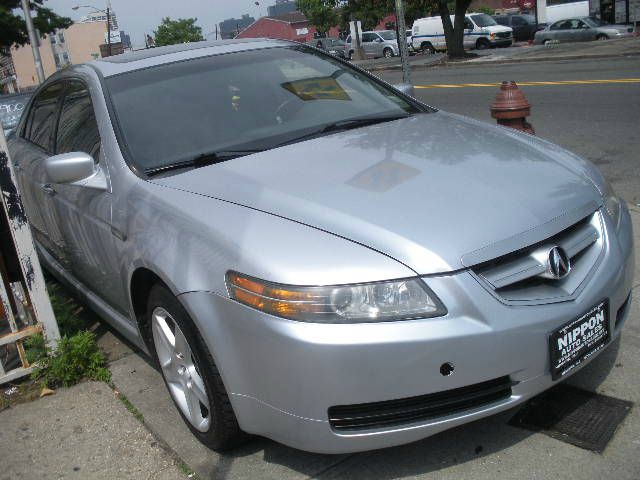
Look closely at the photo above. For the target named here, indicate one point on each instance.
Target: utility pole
(33, 39)
(402, 42)
(109, 31)
(109, 26)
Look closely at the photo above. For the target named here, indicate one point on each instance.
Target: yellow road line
(534, 84)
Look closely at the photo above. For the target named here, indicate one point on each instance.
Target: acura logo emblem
(559, 263)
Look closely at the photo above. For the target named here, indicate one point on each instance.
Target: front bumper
(283, 376)
(501, 42)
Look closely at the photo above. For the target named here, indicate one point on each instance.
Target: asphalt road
(600, 121)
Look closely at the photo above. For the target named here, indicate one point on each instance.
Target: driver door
(33, 148)
(469, 40)
(84, 211)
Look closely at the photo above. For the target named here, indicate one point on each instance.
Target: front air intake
(393, 413)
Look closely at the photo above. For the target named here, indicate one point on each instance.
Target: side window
(42, 116)
(468, 25)
(557, 25)
(518, 21)
(78, 129)
(368, 37)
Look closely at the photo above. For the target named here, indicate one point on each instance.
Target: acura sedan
(310, 254)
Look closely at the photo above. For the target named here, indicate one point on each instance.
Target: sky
(137, 17)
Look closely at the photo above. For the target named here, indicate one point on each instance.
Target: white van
(480, 31)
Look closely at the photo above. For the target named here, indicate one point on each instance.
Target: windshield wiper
(202, 160)
(343, 125)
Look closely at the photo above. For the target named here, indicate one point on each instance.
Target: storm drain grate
(585, 419)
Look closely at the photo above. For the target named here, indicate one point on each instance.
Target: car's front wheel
(190, 374)
(602, 36)
(482, 44)
(387, 52)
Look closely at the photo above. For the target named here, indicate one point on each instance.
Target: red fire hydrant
(511, 108)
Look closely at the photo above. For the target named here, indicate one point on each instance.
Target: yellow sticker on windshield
(317, 88)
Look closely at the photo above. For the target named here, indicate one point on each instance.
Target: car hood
(497, 28)
(437, 192)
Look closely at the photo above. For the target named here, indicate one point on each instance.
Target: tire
(387, 53)
(546, 42)
(482, 44)
(426, 47)
(350, 56)
(214, 425)
(602, 36)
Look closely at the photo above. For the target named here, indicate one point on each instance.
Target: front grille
(503, 34)
(418, 409)
(522, 276)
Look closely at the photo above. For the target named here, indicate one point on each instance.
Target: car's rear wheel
(350, 56)
(190, 374)
(387, 52)
(602, 36)
(547, 42)
(426, 47)
(482, 44)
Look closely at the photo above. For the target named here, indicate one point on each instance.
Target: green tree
(182, 30)
(321, 13)
(13, 28)
(369, 12)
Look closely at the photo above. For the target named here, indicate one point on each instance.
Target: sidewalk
(518, 53)
(83, 432)
(86, 432)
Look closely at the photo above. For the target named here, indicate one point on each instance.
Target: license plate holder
(579, 339)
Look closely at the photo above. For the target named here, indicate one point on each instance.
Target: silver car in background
(311, 255)
(375, 44)
(581, 29)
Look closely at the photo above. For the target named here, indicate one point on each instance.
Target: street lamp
(76, 7)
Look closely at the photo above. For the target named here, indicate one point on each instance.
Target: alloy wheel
(180, 370)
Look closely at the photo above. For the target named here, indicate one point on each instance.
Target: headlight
(612, 203)
(361, 303)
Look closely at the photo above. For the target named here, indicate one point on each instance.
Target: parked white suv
(481, 31)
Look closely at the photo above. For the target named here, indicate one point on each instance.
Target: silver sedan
(311, 255)
(581, 29)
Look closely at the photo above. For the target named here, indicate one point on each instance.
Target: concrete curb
(467, 63)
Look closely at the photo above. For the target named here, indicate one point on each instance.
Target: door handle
(48, 189)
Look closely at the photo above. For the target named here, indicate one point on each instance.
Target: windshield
(595, 22)
(388, 35)
(483, 20)
(251, 100)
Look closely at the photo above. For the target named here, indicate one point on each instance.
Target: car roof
(137, 60)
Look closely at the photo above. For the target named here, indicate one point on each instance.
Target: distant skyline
(137, 17)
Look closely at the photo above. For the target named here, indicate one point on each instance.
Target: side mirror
(75, 168)
(405, 88)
